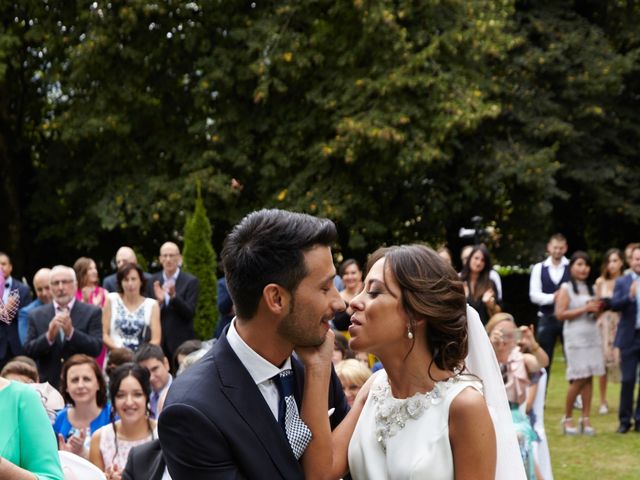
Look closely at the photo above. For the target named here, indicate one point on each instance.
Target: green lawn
(607, 455)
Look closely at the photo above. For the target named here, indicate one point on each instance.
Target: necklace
(392, 414)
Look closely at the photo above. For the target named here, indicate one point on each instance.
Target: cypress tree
(200, 260)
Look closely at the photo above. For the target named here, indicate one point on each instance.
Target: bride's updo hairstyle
(431, 290)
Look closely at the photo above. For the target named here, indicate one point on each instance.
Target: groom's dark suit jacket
(87, 338)
(216, 424)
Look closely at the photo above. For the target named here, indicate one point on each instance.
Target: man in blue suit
(43, 294)
(625, 300)
(10, 345)
(228, 416)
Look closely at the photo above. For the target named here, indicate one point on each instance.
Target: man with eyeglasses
(62, 328)
(177, 295)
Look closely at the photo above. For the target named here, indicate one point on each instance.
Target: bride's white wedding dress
(406, 438)
(409, 438)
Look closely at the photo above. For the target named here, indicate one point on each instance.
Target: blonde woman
(352, 374)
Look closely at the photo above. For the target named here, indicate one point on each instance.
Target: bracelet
(536, 348)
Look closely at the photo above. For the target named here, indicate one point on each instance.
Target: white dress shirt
(535, 281)
(261, 370)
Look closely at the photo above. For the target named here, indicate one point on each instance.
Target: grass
(607, 455)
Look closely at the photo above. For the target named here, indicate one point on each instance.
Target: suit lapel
(244, 395)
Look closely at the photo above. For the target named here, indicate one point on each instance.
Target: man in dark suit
(62, 328)
(126, 255)
(625, 300)
(245, 394)
(226, 311)
(177, 294)
(10, 344)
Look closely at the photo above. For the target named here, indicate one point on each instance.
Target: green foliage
(399, 120)
(200, 260)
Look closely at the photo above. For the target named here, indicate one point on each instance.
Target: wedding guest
(27, 442)
(89, 289)
(611, 270)
(21, 369)
(544, 284)
(85, 391)
(184, 350)
(353, 375)
(577, 308)
(129, 391)
(177, 294)
(351, 275)
(494, 276)
(43, 297)
(153, 359)
(61, 329)
(445, 254)
(516, 368)
(130, 319)
(627, 341)
(117, 357)
(24, 370)
(16, 294)
(628, 253)
(226, 312)
(478, 286)
(341, 349)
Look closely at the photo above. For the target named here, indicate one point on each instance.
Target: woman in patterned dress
(129, 318)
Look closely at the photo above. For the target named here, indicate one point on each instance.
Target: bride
(438, 410)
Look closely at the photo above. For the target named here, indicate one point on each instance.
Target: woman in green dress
(28, 448)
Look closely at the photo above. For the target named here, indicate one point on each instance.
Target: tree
(200, 260)
(399, 120)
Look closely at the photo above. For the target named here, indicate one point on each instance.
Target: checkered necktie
(296, 430)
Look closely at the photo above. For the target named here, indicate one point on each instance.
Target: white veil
(481, 361)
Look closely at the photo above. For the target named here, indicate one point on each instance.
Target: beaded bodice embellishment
(392, 414)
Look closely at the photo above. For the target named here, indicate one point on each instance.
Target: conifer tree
(200, 260)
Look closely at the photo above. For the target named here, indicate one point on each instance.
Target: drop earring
(409, 333)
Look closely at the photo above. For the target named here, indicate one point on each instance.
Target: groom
(235, 414)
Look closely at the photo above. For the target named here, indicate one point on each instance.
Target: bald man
(177, 294)
(125, 255)
(43, 297)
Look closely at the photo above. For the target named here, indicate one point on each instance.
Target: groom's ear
(276, 298)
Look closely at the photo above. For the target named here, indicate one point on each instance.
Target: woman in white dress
(578, 308)
(128, 317)
(425, 415)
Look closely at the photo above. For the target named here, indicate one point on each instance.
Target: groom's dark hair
(268, 246)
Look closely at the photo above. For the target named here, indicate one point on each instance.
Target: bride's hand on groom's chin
(317, 357)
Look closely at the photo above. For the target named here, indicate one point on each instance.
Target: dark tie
(295, 429)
